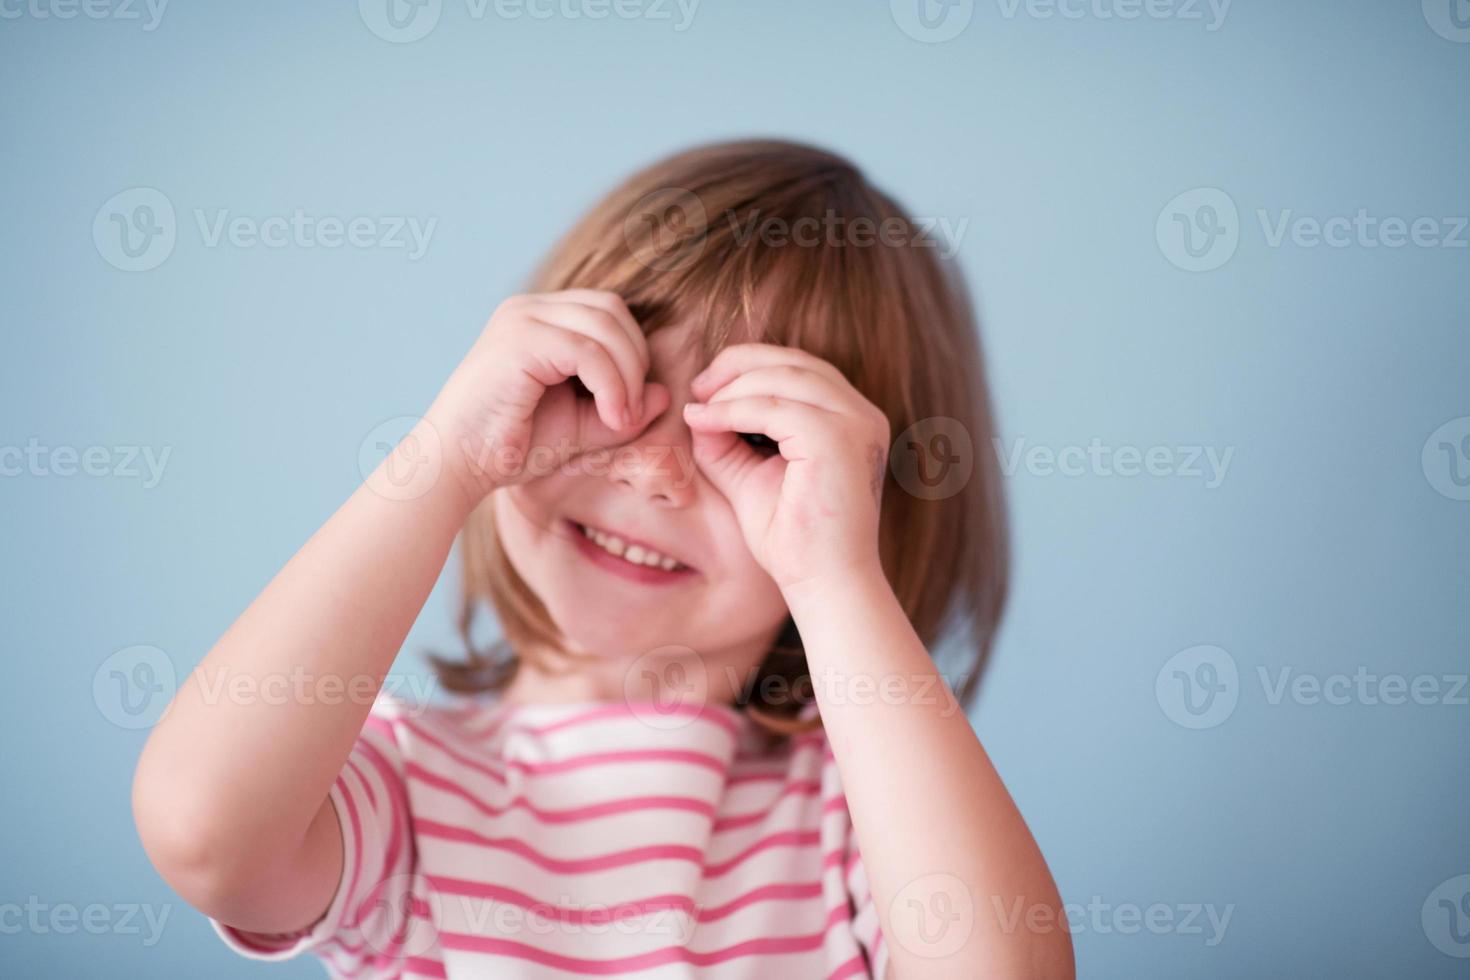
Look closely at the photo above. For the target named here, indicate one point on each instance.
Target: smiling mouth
(623, 554)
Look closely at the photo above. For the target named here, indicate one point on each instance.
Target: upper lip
(629, 540)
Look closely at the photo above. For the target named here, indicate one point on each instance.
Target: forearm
(250, 746)
(925, 800)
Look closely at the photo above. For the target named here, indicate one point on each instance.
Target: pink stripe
(571, 763)
(397, 810)
(855, 967)
(792, 838)
(620, 710)
(799, 788)
(618, 859)
(454, 754)
(382, 726)
(352, 851)
(424, 966)
(774, 893)
(741, 778)
(657, 903)
(670, 954)
(372, 798)
(589, 812)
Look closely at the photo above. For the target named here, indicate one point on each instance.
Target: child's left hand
(807, 502)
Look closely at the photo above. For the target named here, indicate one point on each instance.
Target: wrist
(475, 465)
(424, 468)
(853, 582)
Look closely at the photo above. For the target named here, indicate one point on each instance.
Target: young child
(713, 742)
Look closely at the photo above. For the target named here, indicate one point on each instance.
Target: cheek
(747, 593)
(523, 517)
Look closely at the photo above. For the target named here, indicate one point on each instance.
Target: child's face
(722, 605)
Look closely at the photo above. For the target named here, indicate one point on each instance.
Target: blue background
(1326, 548)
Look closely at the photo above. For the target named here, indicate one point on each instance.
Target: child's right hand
(506, 404)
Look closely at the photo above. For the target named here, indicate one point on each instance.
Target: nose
(659, 464)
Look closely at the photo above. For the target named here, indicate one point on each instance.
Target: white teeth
(636, 553)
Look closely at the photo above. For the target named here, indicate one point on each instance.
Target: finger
(558, 354)
(739, 358)
(604, 328)
(733, 469)
(593, 432)
(611, 332)
(782, 420)
(614, 304)
(786, 381)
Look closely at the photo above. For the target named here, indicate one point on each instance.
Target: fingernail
(693, 407)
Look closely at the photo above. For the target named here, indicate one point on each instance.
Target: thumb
(724, 459)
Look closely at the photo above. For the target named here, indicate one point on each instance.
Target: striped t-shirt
(595, 839)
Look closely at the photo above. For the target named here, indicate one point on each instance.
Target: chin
(611, 634)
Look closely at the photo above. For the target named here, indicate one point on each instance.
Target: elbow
(185, 842)
(1058, 960)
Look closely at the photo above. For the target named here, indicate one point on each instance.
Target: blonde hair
(682, 242)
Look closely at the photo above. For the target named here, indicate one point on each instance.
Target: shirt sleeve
(865, 922)
(378, 911)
